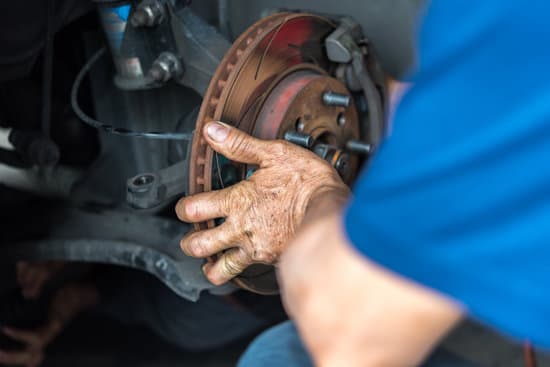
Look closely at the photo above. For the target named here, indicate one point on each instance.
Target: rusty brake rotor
(272, 82)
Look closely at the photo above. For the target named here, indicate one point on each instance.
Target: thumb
(235, 144)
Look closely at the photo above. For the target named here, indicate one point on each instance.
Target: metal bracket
(121, 238)
(202, 48)
(148, 190)
(343, 42)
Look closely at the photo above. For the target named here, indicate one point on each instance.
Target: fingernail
(206, 267)
(217, 131)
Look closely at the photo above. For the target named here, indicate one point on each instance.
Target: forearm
(325, 202)
(381, 319)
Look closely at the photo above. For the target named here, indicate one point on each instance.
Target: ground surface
(93, 342)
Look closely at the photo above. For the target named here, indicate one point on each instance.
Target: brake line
(108, 127)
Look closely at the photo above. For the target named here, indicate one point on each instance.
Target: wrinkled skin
(261, 213)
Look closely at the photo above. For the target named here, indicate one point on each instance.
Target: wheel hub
(295, 104)
(275, 83)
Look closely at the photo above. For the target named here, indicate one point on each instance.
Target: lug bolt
(300, 139)
(336, 99)
(359, 147)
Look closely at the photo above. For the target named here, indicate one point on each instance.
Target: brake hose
(108, 127)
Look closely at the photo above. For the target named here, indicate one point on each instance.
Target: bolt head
(144, 180)
(141, 184)
(139, 18)
(157, 73)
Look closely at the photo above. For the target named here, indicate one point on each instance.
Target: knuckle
(193, 245)
(226, 200)
(279, 149)
(234, 265)
(184, 245)
(239, 143)
(197, 248)
(256, 252)
(231, 267)
(227, 233)
(262, 256)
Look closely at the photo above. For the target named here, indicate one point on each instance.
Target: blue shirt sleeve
(458, 197)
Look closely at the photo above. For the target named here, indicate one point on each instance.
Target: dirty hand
(261, 213)
(31, 276)
(66, 303)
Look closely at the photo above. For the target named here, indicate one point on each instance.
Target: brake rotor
(272, 81)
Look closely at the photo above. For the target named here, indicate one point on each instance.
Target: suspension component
(148, 14)
(165, 67)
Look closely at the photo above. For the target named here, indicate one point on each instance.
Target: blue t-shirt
(458, 197)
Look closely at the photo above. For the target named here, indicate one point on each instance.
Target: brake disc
(272, 81)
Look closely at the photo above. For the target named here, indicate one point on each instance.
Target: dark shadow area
(94, 341)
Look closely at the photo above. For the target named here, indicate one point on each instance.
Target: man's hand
(31, 276)
(65, 305)
(350, 311)
(35, 342)
(261, 213)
